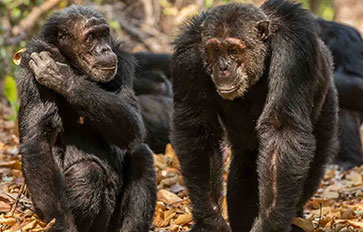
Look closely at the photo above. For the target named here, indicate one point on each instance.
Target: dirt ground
(337, 206)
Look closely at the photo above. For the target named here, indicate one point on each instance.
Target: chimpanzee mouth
(108, 68)
(231, 88)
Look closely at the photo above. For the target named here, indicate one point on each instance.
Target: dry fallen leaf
(183, 219)
(168, 197)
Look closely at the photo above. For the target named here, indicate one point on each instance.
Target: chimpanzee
(346, 45)
(154, 93)
(157, 63)
(81, 131)
(156, 112)
(262, 76)
(150, 82)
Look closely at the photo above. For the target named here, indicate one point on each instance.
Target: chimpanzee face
(86, 44)
(234, 51)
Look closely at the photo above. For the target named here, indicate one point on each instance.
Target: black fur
(283, 130)
(82, 154)
(346, 45)
(155, 96)
(157, 63)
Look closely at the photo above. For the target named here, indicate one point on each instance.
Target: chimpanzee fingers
(36, 58)
(32, 65)
(45, 55)
(61, 64)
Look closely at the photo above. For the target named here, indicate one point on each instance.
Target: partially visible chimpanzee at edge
(155, 96)
(264, 76)
(81, 131)
(346, 45)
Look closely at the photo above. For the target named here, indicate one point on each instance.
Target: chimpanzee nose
(103, 49)
(223, 65)
(106, 49)
(223, 68)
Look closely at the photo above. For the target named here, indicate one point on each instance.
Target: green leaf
(114, 25)
(209, 3)
(11, 91)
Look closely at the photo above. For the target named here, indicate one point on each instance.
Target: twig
(13, 207)
(49, 225)
(21, 31)
(180, 201)
(21, 201)
(134, 32)
(321, 213)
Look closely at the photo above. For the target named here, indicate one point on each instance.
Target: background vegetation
(143, 24)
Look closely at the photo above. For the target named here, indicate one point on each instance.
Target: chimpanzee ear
(263, 29)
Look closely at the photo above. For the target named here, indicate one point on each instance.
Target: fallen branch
(23, 29)
(20, 193)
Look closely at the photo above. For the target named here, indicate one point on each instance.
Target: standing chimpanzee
(81, 131)
(264, 76)
(155, 96)
(346, 45)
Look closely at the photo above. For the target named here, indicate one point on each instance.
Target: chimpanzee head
(82, 36)
(234, 47)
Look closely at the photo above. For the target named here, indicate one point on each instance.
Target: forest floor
(336, 207)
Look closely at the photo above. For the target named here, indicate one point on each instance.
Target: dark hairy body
(262, 77)
(80, 128)
(346, 45)
(154, 92)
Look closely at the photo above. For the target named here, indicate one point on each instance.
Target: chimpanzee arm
(287, 147)
(299, 78)
(196, 135)
(38, 124)
(196, 138)
(350, 91)
(113, 115)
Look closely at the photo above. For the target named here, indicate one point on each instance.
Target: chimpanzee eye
(107, 33)
(63, 34)
(90, 38)
(232, 50)
(217, 49)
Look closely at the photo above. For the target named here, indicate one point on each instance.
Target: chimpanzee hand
(54, 75)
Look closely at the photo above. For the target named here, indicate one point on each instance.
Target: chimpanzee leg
(326, 147)
(350, 153)
(284, 158)
(90, 199)
(242, 194)
(139, 191)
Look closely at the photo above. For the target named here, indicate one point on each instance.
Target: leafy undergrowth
(337, 206)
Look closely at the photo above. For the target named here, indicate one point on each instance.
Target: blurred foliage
(11, 94)
(13, 11)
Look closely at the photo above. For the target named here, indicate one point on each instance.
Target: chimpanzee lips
(231, 88)
(108, 68)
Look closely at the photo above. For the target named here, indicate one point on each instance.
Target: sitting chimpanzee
(155, 97)
(264, 77)
(81, 131)
(346, 45)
